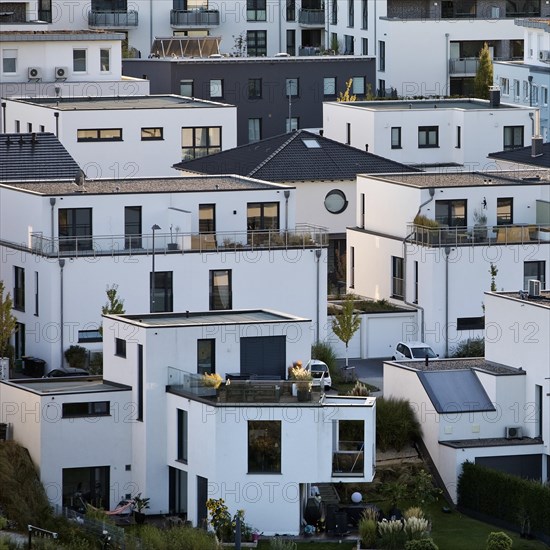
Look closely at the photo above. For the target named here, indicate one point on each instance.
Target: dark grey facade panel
(525, 466)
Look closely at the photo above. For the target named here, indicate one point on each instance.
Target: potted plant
(480, 226)
(140, 505)
(173, 245)
(210, 382)
(303, 380)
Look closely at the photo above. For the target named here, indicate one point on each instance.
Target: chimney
(536, 140)
(494, 96)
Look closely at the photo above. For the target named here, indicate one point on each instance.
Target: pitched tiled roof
(299, 156)
(27, 158)
(523, 156)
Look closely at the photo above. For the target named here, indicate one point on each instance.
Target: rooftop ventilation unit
(513, 432)
(534, 287)
(61, 73)
(34, 73)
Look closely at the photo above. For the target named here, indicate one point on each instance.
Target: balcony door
(75, 228)
(451, 213)
(132, 227)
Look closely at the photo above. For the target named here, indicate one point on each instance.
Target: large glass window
(199, 142)
(99, 134)
(92, 408)
(428, 136)
(183, 436)
(262, 215)
(291, 10)
(291, 42)
(161, 292)
(513, 137)
(397, 278)
(207, 218)
(75, 228)
(358, 85)
(451, 213)
(256, 10)
(534, 270)
(206, 355)
(349, 448)
(132, 227)
(220, 289)
(19, 288)
(264, 446)
(256, 43)
(505, 214)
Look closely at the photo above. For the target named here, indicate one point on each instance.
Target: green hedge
(505, 497)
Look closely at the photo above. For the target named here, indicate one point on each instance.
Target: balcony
(113, 19)
(479, 235)
(311, 18)
(194, 19)
(303, 236)
(467, 65)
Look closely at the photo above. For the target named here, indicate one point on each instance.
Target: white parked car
(413, 351)
(318, 369)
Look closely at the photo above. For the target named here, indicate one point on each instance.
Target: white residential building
(131, 136)
(484, 220)
(198, 243)
(450, 34)
(527, 81)
(431, 132)
(250, 442)
(491, 411)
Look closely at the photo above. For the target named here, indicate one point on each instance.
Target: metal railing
(194, 18)
(120, 19)
(349, 459)
(312, 17)
(479, 234)
(303, 236)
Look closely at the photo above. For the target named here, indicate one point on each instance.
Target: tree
(484, 74)
(346, 322)
(347, 95)
(8, 323)
(114, 305)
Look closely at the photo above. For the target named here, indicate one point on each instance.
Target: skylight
(311, 143)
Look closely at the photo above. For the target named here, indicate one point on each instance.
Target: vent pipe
(494, 97)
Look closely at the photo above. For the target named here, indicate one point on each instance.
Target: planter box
(243, 544)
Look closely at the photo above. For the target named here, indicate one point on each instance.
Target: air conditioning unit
(544, 55)
(495, 12)
(534, 287)
(513, 432)
(61, 72)
(34, 72)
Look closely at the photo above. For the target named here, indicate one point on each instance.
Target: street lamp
(154, 228)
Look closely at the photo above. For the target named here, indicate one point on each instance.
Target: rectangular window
(362, 206)
(451, 213)
(186, 88)
(348, 453)
(216, 88)
(535, 95)
(364, 46)
(381, 87)
(262, 216)
(396, 137)
(415, 282)
(470, 323)
(94, 408)
(458, 137)
(358, 85)
(428, 136)
(254, 88)
(526, 90)
(334, 13)
(75, 228)
(348, 133)
(381, 55)
(199, 142)
(291, 42)
(352, 266)
(19, 340)
(365, 14)
(516, 89)
(89, 336)
(206, 356)
(329, 86)
(220, 289)
(132, 227)
(256, 43)
(292, 87)
(29, 127)
(140, 387)
(105, 60)
(161, 292)
(397, 278)
(534, 270)
(513, 137)
(349, 44)
(19, 288)
(152, 134)
(9, 61)
(207, 218)
(254, 129)
(42, 128)
(504, 86)
(264, 446)
(79, 61)
(36, 294)
(351, 13)
(505, 215)
(256, 10)
(544, 95)
(291, 10)
(120, 347)
(183, 436)
(292, 124)
(100, 134)
(17, 126)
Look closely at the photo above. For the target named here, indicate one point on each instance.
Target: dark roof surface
(523, 156)
(287, 157)
(44, 158)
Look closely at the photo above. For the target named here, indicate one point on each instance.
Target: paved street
(367, 370)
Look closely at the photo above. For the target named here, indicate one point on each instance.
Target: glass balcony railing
(194, 18)
(113, 19)
(312, 18)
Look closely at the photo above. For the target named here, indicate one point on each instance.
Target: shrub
(367, 531)
(472, 347)
(499, 540)
(421, 544)
(280, 543)
(392, 535)
(396, 424)
(96, 363)
(359, 390)
(76, 357)
(414, 512)
(324, 352)
(416, 528)
(424, 221)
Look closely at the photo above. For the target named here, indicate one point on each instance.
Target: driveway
(368, 370)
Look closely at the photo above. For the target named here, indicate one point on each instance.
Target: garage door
(264, 355)
(384, 332)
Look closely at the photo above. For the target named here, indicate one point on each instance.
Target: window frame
(329, 86)
(426, 131)
(289, 82)
(540, 275)
(292, 124)
(396, 143)
(83, 409)
(513, 144)
(214, 303)
(167, 289)
(339, 193)
(99, 134)
(275, 427)
(397, 278)
(215, 88)
(187, 82)
(254, 10)
(5, 59)
(120, 347)
(182, 442)
(18, 288)
(509, 218)
(254, 88)
(210, 221)
(208, 149)
(256, 121)
(102, 51)
(84, 60)
(256, 43)
(152, 137)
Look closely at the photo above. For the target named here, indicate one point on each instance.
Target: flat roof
(467, 179)
(66, 386)
(542, 301)
(193, 318)
(182, 184)
(470, 363)
(534, 23)
(430, 104)
(490, 442)
(118, 103)
(259, 59)
(55, 36)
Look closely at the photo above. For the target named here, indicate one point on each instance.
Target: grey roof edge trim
(115, 386)
(13, 36)
(491, 442)
(528, 22)
(275, 153)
